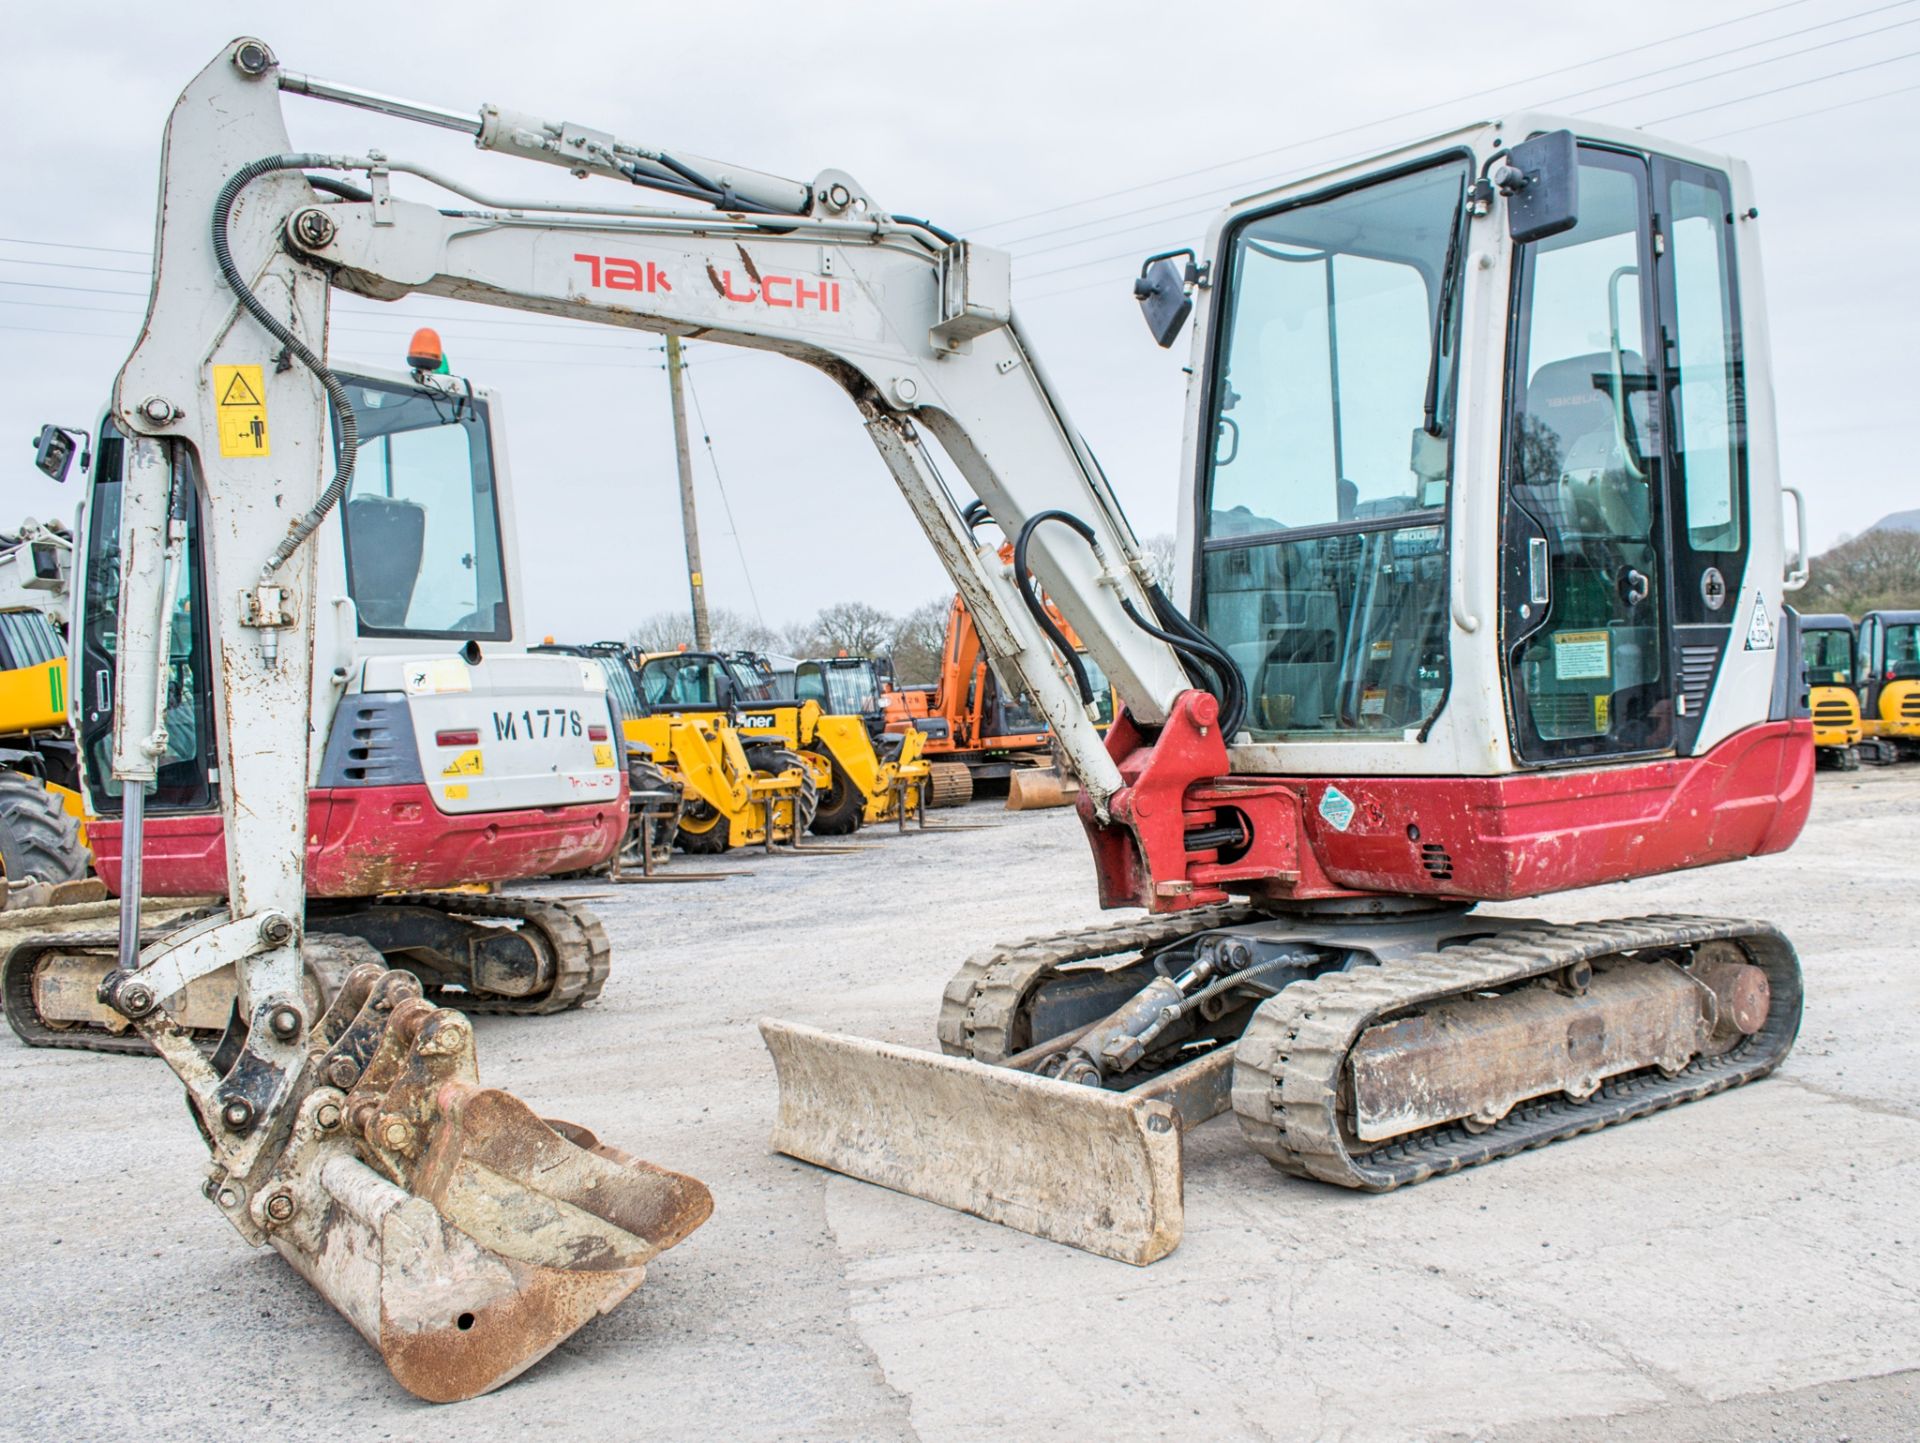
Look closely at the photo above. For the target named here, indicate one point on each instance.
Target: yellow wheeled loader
(833, 717)
(43, 838)
(737, 789)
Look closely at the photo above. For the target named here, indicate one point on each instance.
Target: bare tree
(850, 626)
(918, 639)
(672, 630)
(1877, 570)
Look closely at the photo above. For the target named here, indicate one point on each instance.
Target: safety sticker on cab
(468, 764)
(602, 754)
(1581, 656)
(240, 408)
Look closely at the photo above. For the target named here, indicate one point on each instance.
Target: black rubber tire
(37, 836)
(841, 808)
(771, 761)
(707, 842)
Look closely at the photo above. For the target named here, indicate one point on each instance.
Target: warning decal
(241, 394)
(1760, 627)
(468, 764)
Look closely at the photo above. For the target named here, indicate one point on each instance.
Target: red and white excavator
(444, 753)
(1480, 598)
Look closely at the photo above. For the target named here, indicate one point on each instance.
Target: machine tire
(841, 809)
(708, 834)
(949, 784)
(38, 839)
(771, 761)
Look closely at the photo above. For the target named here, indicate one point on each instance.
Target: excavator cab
(1827, 647)
(1888, 676)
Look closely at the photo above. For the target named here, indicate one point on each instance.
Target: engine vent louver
(1434, 858)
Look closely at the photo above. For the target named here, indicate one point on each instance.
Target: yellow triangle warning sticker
(238, 392)
(242, 411)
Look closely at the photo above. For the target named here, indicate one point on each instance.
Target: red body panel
(1481, 838)
(362, 841)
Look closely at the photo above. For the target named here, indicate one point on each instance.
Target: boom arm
(228, 387)
(919, 332)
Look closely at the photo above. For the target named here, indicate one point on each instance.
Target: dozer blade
(1078, 1165)
(461, 1234)
(1030, 789)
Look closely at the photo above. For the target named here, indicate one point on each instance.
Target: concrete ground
(1744, 1268)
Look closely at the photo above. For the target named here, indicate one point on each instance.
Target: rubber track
(17, 984)
(980, 1010)
(17, 987)
(1290, 1065)
(571, 936)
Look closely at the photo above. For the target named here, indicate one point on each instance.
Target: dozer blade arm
(1099, 1170)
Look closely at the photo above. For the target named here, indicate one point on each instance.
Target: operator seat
(1573, 468)
(386, 542)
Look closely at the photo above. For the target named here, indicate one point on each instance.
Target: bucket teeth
(462, 1234)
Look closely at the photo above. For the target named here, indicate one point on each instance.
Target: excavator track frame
(1290, 1063)
(572, 947)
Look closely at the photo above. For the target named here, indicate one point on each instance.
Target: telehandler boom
(1446, 650)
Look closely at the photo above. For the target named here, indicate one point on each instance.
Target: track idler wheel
(464, 1236)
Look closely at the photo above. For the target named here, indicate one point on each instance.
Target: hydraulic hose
(1200, 651)
(1234, 703)
(349, 440)
(1023, 578)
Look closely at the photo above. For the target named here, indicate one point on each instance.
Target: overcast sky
(1081, 136)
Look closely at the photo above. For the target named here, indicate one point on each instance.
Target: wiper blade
(1431, 410)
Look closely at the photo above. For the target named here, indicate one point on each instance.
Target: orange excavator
(978, 727)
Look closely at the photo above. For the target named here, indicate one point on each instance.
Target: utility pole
(689, 526)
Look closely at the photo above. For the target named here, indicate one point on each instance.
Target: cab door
(1584, 611)
(1625, 516)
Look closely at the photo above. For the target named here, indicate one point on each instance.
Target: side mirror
(1162, 292)
(1541, 181)
(53, 451)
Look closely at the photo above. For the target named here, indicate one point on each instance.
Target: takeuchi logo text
(752, 288)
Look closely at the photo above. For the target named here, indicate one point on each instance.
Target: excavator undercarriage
(480, 953)
(1368, 1051)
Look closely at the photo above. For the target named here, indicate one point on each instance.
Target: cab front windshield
(1322, 556)
(1102, 690)
(684, 680)
(1829, 657)
(840, 690)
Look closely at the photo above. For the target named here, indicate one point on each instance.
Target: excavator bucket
(1029, 789)
(1095, 1169)
(464, 1236)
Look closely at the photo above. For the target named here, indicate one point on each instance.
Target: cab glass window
(422, 519)
(1323, 564)
(1704, 380)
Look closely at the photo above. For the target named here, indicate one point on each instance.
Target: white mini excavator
(1480, 598)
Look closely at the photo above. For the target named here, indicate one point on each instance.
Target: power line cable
(1402, 115)
(1809, 114)
(1132, 252)
(1781, 89)
(713, 461)
(1558, 100)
